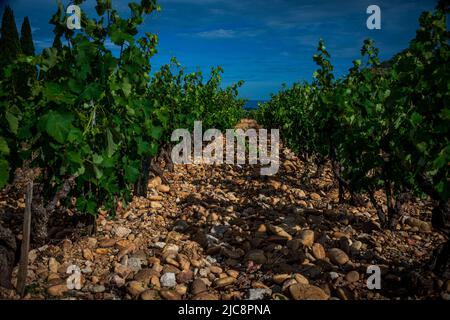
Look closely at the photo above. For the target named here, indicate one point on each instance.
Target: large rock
(163, 188)
(256, 256)
(352, 276)
(280, 278)
(307, 292)
(135, 288)
(279, 232)
(338, 256)
(223, 282)
(107, 243)
(145, 275)
(198, 286)
(307, 238)
(57, 290)
(315, 196)
(318, 251)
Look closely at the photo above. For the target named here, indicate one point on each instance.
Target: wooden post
(23, 265)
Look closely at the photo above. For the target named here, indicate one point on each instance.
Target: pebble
(338, 256)
(149, 294)
(301, 279)
(198, 286)
(168, 280)
(215, 269)
(333, 275)
(135, 288)
(107, 243)
(122, 270)
(352, 276)
(307, 237)
(206, 296)
(88, 255)
(280, 278)
(258, 294)
(233, 273)
(122, 232)
(53, 265)
(155, 205)
(58, 290)
(98, 289)
(163, 188)
(223, 282)
(262, 228)
(288, 283)
(314, 196)
(170, 294)
(257, 256)
(91, 242)
(307, 292)
(159, 245)
(357, 245)
(318, 251)
(185, 276)
(120, 282)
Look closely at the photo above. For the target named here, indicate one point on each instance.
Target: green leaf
(422, 146)
(98, 172)
(111, 146)
(142, 146)
(153, 149)
(131, 173)
(416, 118)
(91, 206)
(12, 121)
(97, 159)
(74, 157)
(126, 87)
(74, 135)
(156, 132)
(440, 161)
(4, 149)
(58, 125)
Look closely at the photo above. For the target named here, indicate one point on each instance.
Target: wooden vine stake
(23, 265)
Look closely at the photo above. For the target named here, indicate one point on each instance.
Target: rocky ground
(225, 232)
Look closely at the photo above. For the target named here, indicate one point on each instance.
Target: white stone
(334, 275)
(168, 280)
(258, 294)
(122, 232)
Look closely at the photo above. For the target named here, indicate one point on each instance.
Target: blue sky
(265, 43)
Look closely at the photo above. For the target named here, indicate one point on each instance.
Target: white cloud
(226, 33)
(217, 34)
